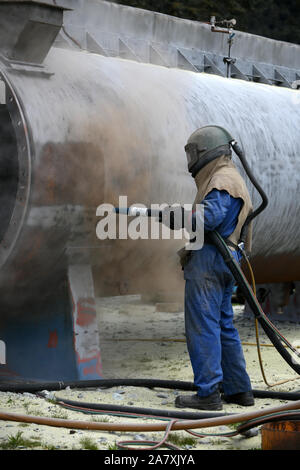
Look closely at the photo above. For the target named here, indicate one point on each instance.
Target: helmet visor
(191, 151)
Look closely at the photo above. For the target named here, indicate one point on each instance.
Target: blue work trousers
(213, 342)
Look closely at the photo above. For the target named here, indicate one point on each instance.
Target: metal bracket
(236, 73)
(184, 63)
(155, 57)
(258, 76)
(210, 67)
(125, 52)
(94, 46)
(28, 29)
(280, 80)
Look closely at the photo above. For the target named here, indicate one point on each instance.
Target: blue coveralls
(213, 342)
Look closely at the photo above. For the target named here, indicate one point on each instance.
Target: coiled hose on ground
(244, 420)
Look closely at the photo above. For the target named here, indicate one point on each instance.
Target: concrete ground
(139, 341)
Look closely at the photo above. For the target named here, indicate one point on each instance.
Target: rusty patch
(53, 339)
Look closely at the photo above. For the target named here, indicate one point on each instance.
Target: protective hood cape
(222, 174)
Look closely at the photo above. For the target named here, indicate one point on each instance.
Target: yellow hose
(179, 340)
(257, 333)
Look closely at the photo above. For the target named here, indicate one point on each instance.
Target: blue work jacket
(221, 213)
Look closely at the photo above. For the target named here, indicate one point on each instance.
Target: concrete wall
(159, 28)
(133, 23)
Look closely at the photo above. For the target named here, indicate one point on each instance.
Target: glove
(172, 217)
(184, 256)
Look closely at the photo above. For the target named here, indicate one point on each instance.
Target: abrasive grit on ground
(138, 341)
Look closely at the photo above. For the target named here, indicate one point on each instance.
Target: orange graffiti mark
(92, 369)
(53, 339)
(86, 312)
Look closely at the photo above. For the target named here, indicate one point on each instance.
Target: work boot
(243, 399)
(211, 402)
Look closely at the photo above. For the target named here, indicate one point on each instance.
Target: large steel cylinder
(91, 128)
(81, 129)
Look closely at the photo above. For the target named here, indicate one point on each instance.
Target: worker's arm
(216, 206)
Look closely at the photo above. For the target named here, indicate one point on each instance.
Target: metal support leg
(56, 339)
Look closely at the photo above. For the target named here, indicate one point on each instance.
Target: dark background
(270, 18)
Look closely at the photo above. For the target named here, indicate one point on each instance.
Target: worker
(213, 342)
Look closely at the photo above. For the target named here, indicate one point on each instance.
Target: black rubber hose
(257, 186)
(165, 413)
(292, 396)
(217, 240)
(142, 411)
(39, 386)
(33, 387)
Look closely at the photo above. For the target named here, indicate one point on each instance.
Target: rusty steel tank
(80, 127)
